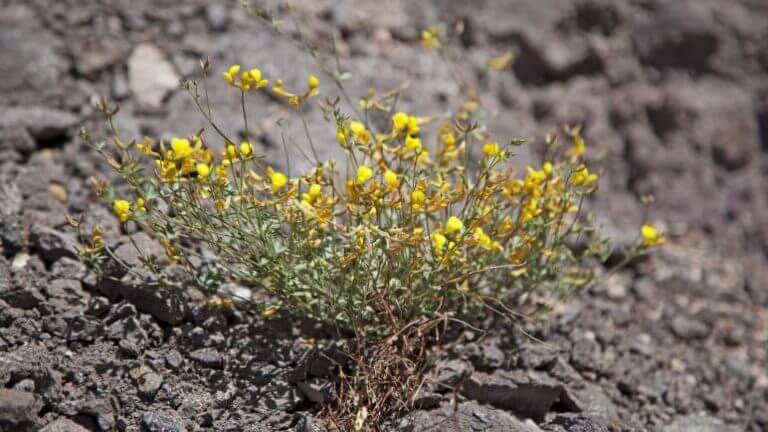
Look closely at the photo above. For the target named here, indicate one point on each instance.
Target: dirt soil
(672, 94)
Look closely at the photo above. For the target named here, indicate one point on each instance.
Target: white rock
(151, 76)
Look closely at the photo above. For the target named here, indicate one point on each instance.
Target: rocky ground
(673, 95)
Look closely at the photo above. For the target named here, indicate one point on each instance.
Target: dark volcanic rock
(528, 394)
(217, 17)
(82, 328)
(568, 422)
(486, 355)
(162, 421)
(162, 302)
(147, 381)
(28, 52)
(53, 244)
(679, 35)
(10, 221)
(307, 423)
(128, 328)
(22, 297)
(280, 395)
(698, 424)
(467, 417)
(208, 358)
(46, 125)
(689, 328)
(448, 374)
(98, 306)
(259, 373)
(63, 425)
(68, 268)
(18, 409)
(31, 362)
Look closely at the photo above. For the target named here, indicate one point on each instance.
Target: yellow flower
(279, 90)
(221, 175)
(391, 179)
(315, 191)
(203, 170)
(423, 158)
(582, 177)
(231, 151)
(399, 122)
(535, 176)
(181, 148)
(514, 188)
(454, 224)
(364, 173)
(418, 198)
(166, 169)
(491, 149)
(341, 136)
(413, 143)
(579, 146)
(253, 80)
(229, 75)
(140, 205)
(278, 180)
(145, 147)
(245, 149)
(402, 122)
(359, 132)
(429, 39)
(313, 82)
(530, 210)
(449, 151)
(484, 240)
(438, 242)
(122, 209)
(651, 236)
(413, 125)
(547, 168)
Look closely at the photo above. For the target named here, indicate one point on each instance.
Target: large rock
(679, 35)
(63, 425)
(165, 303)
(148, 382)
(466, 417)
(694, 423)
(30, 64)
(140, 247)
(208, 358)
(53, 244)
(709, 114)
(11, 228)
(15, 292)
(531, 30)
(162, 421)
(18, 409)
(45, 124)
(151, 76)
(569, 422)
(138, 286)
(528, 394)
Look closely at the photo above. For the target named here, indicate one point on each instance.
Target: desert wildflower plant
(415, 230)
(428, 220)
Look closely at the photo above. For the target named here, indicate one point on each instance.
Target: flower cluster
(246, 81)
